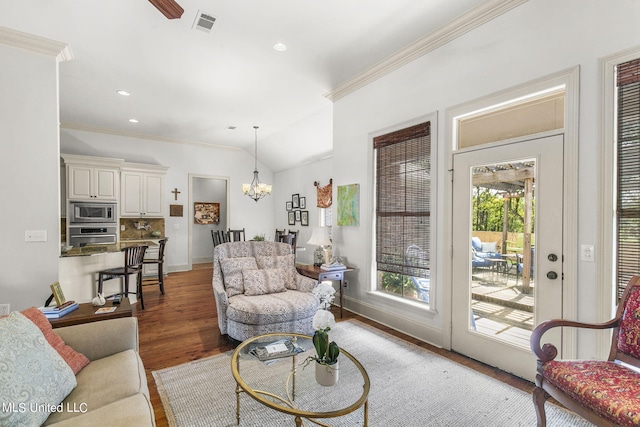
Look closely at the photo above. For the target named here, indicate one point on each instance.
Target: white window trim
(434, 302)
(605, 271)
(570, 78)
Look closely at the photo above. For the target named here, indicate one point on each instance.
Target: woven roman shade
(628, 173)
(403, 200)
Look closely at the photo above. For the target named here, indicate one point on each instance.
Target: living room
(530, 42)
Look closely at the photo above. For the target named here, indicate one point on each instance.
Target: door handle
(552, 257)
(552, 275)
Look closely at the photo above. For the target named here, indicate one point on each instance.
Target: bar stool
(133, 258)
(160, 262)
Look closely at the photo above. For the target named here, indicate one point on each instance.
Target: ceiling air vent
(204, 22)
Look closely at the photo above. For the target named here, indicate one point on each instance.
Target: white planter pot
(327, 375)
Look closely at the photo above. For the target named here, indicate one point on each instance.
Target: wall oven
(92, 212)
(92, 234)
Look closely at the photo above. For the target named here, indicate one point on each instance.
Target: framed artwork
(206, 213)
(298, 216)
(349, 204)
(289, 206)
(304, 218)
(303, 203)
(292, 218)
(175, 210)
(295, 201)
(57, 293)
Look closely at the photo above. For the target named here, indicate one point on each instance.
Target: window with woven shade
(403, 210)
(628, 172)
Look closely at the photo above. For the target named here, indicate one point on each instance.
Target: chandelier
(256, 190)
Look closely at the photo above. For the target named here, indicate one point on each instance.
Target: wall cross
(175, 193)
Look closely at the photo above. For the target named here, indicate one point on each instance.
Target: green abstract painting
(349, 204)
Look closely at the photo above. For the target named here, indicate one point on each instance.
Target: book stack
(275, 350)
(60, 310)
(334, 266)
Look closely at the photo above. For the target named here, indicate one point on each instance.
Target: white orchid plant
(327, 351)
(325, 293)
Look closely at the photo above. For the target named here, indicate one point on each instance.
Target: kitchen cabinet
(142, 190)
(92, 178)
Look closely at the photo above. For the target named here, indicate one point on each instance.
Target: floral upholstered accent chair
(605, 392)
(258, 290)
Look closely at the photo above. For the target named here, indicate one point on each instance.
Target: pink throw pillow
(75, 360)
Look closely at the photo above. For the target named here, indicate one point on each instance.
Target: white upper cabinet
(92, 178)
(142, 190)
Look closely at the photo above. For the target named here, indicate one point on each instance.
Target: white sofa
(110, 390)
(258, 290)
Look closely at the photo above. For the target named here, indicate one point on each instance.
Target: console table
(85, 313)
(319, 274)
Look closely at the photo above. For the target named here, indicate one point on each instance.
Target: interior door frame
(569, 79)
(190, 201)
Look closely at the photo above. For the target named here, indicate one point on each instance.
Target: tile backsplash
(141, 228)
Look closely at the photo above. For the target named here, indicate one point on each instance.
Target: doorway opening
(209, 191)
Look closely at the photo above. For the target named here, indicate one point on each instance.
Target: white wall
(536, 39)
(182, 160)
(300, 181)
(210, 190)
(29, 170)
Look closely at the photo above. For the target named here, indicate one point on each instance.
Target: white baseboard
(419, 330)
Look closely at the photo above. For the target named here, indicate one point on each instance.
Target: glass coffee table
(286, 385)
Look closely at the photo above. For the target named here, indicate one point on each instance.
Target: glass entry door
(507, 262)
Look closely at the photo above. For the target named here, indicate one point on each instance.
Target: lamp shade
(319, 237)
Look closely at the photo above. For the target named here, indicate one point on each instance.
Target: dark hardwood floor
(182, 326)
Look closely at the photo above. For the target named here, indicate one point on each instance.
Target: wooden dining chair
(160, 262)
(236, 235)
(215, 235)
(133, 259)
(290, 239)
(279, 233)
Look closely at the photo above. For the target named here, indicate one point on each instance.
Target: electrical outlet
(346, 284)
(4, 309)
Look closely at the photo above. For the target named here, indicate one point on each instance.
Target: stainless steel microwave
(89, 212)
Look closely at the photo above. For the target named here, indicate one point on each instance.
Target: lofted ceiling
(189, 85)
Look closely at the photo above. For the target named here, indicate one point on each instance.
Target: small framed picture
(303, 203)
(292, 218)
(304, 218)
(289, 206)
(295, 201)
(56, 289)
(298, 216)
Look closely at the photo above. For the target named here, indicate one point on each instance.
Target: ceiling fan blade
(169, 8)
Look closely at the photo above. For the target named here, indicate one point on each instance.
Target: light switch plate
(587, 253)
(35, 236)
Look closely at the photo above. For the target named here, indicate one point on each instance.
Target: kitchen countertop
(90, 250)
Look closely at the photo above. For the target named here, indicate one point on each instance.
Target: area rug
(410, 387)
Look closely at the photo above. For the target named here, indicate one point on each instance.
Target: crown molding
(149, 137)
(61, 51)
(455, 28)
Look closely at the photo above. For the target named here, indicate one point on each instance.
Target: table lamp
(320, 237)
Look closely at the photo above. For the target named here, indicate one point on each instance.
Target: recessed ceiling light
(123, 93)
(280, 47)
(133, 120)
